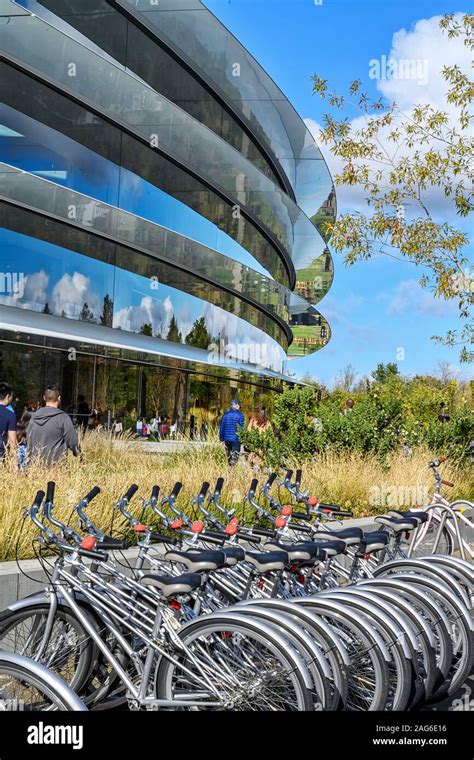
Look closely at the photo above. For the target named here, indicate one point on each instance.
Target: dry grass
(346, 480)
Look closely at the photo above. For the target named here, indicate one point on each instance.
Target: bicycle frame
(442, 510)
(111, 613)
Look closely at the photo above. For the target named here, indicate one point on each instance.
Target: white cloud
(36, 287)
(71, 293)
(425, 44)
(409, 296)
(151, 311)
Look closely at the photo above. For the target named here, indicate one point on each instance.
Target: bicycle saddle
(198, 561)
(171, 585)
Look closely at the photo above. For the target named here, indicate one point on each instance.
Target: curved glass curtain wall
(48, 107)
(210, 48)
(161, 124)
(131, 46)
(47, 197)
(36, 148)
(98, 25)
(63, 282)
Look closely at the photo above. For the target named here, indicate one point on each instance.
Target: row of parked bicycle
(281, 608)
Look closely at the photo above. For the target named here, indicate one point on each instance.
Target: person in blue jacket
(232, 423)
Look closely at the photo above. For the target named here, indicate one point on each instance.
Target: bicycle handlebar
(38, 499)
(50, 488)
(177, 488)
(204, 489)
(91, 495)
(155, 492)
(270, 481)
(131, 492)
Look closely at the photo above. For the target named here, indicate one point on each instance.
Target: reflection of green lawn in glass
(303, 340)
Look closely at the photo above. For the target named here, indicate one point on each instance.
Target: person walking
(261, 423)
(51, 433)
(232, 423)
(7, 421)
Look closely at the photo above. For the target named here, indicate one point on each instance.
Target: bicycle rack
(447, 512)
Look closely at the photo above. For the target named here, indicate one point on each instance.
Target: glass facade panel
(158, 122)
(61, 282)
(201, 40)
(160, 242)
(98, 21)
(207, 217)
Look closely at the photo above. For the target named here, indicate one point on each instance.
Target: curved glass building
(161, 211)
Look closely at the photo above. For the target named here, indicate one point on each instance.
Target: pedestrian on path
(232, 423)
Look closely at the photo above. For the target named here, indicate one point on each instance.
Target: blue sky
(377, 311)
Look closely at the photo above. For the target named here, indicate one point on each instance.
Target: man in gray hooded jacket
(50, 431)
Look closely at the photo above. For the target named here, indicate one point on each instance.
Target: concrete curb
(15, 585)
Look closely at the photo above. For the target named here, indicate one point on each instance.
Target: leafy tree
(146, 329)
(346, 378)
(199, 336)
(384, 372)
(400, 159)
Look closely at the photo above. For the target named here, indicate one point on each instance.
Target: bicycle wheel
(26, 686)
(434, 616)
(325, 638)
(69, 652)
(367, 671)
(401, 671)
(426, 538)
(424, 644)
(235, 664)
(461, 629)
(305, 645)
(427, 568)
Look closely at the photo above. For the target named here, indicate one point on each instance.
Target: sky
(377, 310)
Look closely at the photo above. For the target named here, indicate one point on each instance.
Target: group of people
(45, 434)
(231, 426)
(48, 432)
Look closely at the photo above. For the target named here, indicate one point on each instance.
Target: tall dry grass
(348, 480)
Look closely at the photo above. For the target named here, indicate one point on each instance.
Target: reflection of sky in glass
(59, 281)
(79, 168)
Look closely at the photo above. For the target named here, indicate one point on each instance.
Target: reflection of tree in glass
(46, 309)
(146, 329)
(173, 332)
(86, 314)
(107, 312)
(199, 336)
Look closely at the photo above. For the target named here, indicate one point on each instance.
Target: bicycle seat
(420, 516)
(171, 585)
(397, 524)
(301, 552)
(350, 536)
(372, 542)
(331, 548)
(233, 554)
(265, 562)
(198, 561)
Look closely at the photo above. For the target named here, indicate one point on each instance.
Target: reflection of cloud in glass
(71, 293)
(36, 288)
(151, 311)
